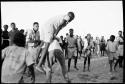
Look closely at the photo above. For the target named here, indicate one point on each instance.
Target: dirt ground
(99, 73)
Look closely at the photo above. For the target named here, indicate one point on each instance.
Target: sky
(99, 18)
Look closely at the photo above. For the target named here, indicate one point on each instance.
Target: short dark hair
(112, 37)
(120, 31)
(61, 36)
(71, 15)
(19, 39)
(35, 23)
(5, 26)
(13, 23)
(70, 29)
(85, 36)
(22, 30)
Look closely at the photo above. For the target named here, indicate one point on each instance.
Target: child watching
(16, 59)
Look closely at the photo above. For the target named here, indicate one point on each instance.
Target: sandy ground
(99, 73)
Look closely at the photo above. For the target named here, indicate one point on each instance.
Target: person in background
(12, 33)
(85, 45)
(33, 38)
(102, 46)
(82, 44)
(5, 37)
(22, 31)
(65, 48)
(15, 60)
(92, 44)
(72, 49)
(111, 51)
(76, 53)
(106, 45)
(62, 42)
(97, 41)
(67, 35)
(120, 43)
(79, 42)
(87, 52)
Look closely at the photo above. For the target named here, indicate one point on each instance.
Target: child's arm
(4, 53)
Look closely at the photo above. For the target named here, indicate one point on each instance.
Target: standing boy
(111, 50)
(72, 49)
(16, 59)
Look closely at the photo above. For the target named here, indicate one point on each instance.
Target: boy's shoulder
(7, 48)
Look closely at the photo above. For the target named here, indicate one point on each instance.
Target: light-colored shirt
(15, 61)
(97, 42)
(32, 35)
(120, 47)
(85, 43)
(51, 26)
(112, 46)
(79, 43)
(119, 39)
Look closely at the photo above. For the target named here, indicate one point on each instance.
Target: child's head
(71, 15)
(112, 38)
(22, 31)
(85, 37)
(71, 31)
(5, 27)
(36, 26)
(13, 25)
(61, 37)
(120, 33)
(19, 39)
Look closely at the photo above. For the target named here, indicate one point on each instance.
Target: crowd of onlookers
(87, 46)
(98, 44)
(7, 36)
(98, 47)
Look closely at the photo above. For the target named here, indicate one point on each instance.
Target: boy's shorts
(72, 52)
(33, 52)
(112, 56)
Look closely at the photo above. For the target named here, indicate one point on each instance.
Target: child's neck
(71, 35)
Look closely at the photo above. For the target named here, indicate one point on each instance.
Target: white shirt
(51, 26)
(112, 46)
(85, 43)
(119, 39)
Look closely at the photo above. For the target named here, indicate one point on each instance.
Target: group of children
(27, 52)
